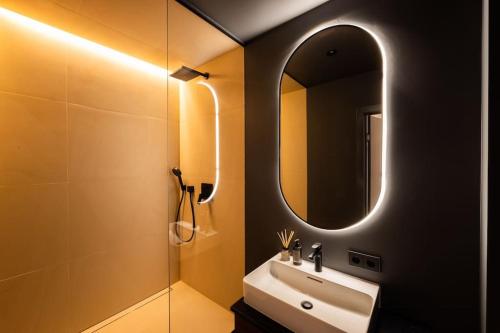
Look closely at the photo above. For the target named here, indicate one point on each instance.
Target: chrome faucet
(317, 256)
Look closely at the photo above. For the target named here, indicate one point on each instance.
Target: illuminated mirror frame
(385, 122)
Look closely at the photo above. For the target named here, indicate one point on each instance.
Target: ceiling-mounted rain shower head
(186, 74)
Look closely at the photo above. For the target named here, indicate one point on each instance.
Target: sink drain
(306, 305)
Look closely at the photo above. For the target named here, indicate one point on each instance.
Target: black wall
(427, 229)
(335, 174)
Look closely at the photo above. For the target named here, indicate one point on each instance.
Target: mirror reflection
(331, 127)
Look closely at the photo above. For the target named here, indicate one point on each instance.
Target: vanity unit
(249, 320)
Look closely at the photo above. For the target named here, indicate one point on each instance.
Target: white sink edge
(299, 311)
(296, 314)
(367, 287)
(360, 285)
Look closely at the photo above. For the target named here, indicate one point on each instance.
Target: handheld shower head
(177, 172)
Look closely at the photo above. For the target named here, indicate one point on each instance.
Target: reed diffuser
(285, 239)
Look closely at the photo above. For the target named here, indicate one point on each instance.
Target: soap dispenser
(297, 253)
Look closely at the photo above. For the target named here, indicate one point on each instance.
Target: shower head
(177, 172)
(186, 74)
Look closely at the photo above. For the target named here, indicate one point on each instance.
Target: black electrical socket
(355, 259)
(366, 261)
(373, 263)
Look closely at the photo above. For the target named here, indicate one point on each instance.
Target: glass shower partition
(84, 182)
(206, 143)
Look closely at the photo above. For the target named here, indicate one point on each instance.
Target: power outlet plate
(364, 260)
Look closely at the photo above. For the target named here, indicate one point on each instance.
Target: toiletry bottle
(297, 252)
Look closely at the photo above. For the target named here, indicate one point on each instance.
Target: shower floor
(191, 312)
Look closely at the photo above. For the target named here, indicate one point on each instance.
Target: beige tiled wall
(214, 262)
(83, 172)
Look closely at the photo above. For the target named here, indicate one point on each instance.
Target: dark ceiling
(355, 52)
(244, 20)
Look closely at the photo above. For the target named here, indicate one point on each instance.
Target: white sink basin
(341, 302)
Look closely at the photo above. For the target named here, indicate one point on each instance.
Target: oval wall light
(217, 142)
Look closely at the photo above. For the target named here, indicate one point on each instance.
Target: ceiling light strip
(68, 38)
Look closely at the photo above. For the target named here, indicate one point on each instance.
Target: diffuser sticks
(285, 239)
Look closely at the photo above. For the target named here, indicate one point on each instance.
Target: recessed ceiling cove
(244, 20)
(334, 54)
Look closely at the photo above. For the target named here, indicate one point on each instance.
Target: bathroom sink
(283, 292)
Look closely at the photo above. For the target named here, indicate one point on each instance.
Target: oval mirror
(331, 127)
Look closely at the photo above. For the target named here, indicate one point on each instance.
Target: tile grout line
(67, 111)
(13, 277)
(121, 113)
(31, 184)
(66, 101)
(46, 99)
(69, 321)
(41, 268)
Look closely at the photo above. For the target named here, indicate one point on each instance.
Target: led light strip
(484, 166)
(68, 38)
(217, 142)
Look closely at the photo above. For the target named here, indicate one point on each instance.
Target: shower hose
(177, 228)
